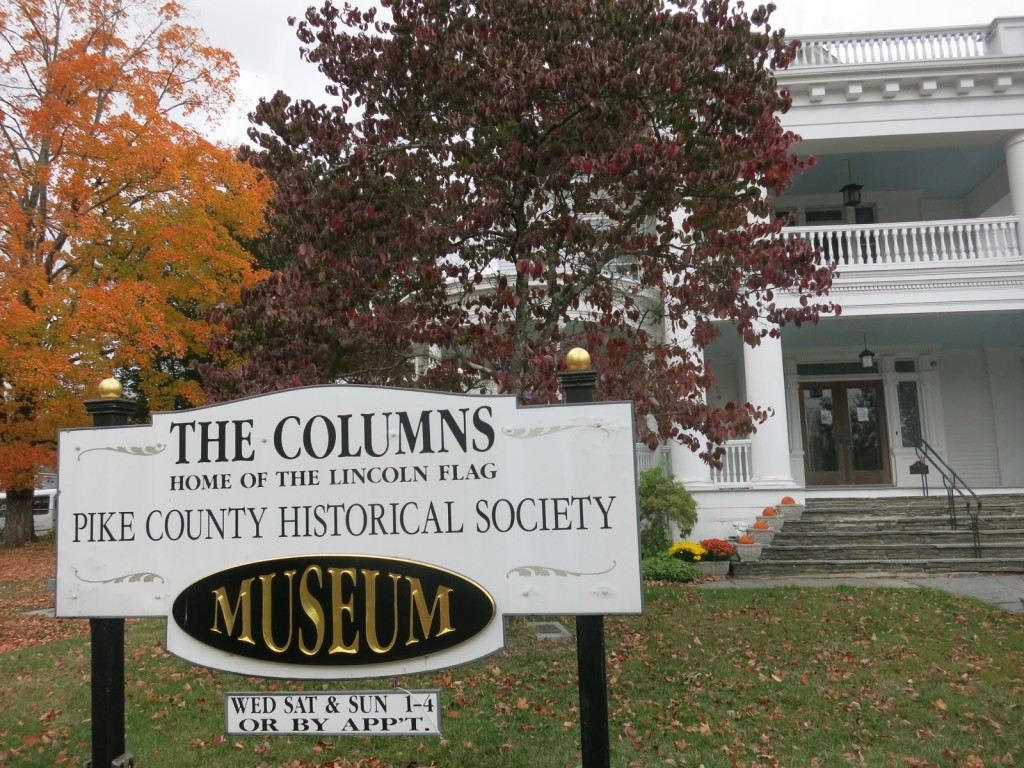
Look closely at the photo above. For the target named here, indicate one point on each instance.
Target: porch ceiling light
(851, 192)
(867, 357)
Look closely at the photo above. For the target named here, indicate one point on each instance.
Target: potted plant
(700, 557)
(716, 561)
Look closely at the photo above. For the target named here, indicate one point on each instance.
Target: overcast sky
(257, 33)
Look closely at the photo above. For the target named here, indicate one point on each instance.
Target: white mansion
(918, 197)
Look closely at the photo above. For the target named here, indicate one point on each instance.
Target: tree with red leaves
(495, 182)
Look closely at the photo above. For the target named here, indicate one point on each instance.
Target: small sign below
(334, 713)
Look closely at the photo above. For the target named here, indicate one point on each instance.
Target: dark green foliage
(661, 567)
(662, 501)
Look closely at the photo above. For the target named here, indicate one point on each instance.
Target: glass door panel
(865, 446)
(844, 434)
(819, 429)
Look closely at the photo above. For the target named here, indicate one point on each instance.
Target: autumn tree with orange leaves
(119, 224)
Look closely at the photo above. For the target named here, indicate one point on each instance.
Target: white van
(44, 514)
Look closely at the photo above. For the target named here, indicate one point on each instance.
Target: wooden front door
(845, 440)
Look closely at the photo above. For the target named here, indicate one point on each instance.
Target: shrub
(662, 567)
(663, 500)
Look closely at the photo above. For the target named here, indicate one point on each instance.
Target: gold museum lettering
(333, 610)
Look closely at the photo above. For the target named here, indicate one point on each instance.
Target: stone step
(894, 506)
(893, 536)
(889, 552)
(882, 505)
(898, 525)
(932, 502)
(875, 567)
(888, 510)
(794, 530)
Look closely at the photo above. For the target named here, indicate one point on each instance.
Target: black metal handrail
(954, 484)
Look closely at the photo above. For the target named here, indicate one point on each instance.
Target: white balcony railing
(933, 243)
(646, 458)
(925, 45)
(735, 471)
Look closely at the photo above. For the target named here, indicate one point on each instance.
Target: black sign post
(578, 385)
(107, 635)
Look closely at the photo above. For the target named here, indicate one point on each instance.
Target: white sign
(536, 506)
(337, 713)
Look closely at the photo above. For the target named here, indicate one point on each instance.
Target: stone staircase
(906, 535)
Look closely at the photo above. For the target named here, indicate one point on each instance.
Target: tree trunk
(19, 526)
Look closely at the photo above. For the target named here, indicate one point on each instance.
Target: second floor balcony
(959, 244)
(905, 46)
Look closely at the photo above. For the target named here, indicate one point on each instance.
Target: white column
(933, 422)
(1015, 170)
(687, 466)
(766, 387)
(793, 405)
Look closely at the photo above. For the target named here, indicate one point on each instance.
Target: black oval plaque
(333, 610)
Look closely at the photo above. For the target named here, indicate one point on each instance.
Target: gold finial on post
(577, 359)
(110, 388)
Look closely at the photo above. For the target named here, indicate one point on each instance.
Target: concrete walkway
(1005, 590)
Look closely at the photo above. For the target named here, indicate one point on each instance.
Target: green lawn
(781, 677)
